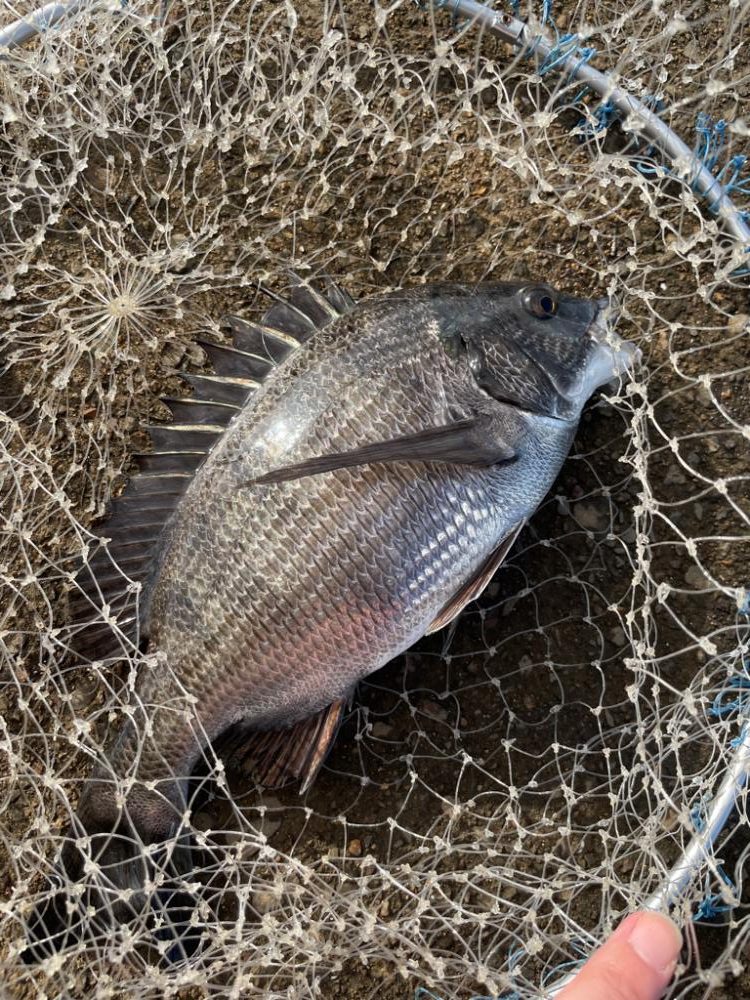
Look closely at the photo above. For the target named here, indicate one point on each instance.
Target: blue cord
(564, 46)
(606, 114)
(712, 138)
(564, 969)
(697, 813)
(720, 708)
(714, 904)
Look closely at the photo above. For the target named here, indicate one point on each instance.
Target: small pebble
(434, 710)
(354, 848)
(695, 578)
(737, 323)
(617, 635)
(591, 516)
(263, 901)
(674, 477)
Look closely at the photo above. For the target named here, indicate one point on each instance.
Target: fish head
(541, 349)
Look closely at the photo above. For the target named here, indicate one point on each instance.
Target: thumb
(636, 963)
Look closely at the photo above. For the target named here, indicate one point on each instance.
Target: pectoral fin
(464, 442)
(474, 587)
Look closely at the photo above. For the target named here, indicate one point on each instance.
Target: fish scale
(329, 496)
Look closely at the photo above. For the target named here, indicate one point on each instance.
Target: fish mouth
(612, 357)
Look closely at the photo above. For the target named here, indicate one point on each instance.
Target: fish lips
(612, 356)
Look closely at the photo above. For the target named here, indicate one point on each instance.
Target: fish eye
(540, 301)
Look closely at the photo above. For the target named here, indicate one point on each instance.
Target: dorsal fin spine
(270, 331)
(199, 428)
(189, 401)
(230, 349)
(232, 379)
(288, 304)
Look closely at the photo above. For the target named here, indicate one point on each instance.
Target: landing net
(503, 794)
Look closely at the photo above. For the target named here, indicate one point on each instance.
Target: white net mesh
(505, 792)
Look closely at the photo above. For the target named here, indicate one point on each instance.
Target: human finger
(636, 963)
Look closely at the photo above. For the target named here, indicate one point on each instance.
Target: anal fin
(278, 756)
(473, 587)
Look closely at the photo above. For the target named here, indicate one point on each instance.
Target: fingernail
(656, 941)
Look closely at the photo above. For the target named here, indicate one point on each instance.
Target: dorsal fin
(195, 411)
(284, 315)
(339, 298)
(235, 363)
(215, 389)
(105, 583)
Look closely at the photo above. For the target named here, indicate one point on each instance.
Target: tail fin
(118, 867)
(52, 928)
(172, 920)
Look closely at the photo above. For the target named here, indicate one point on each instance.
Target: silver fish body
(270, 600)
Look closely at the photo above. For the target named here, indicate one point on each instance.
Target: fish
(347, 480)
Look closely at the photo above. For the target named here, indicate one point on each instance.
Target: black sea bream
(348, 481)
